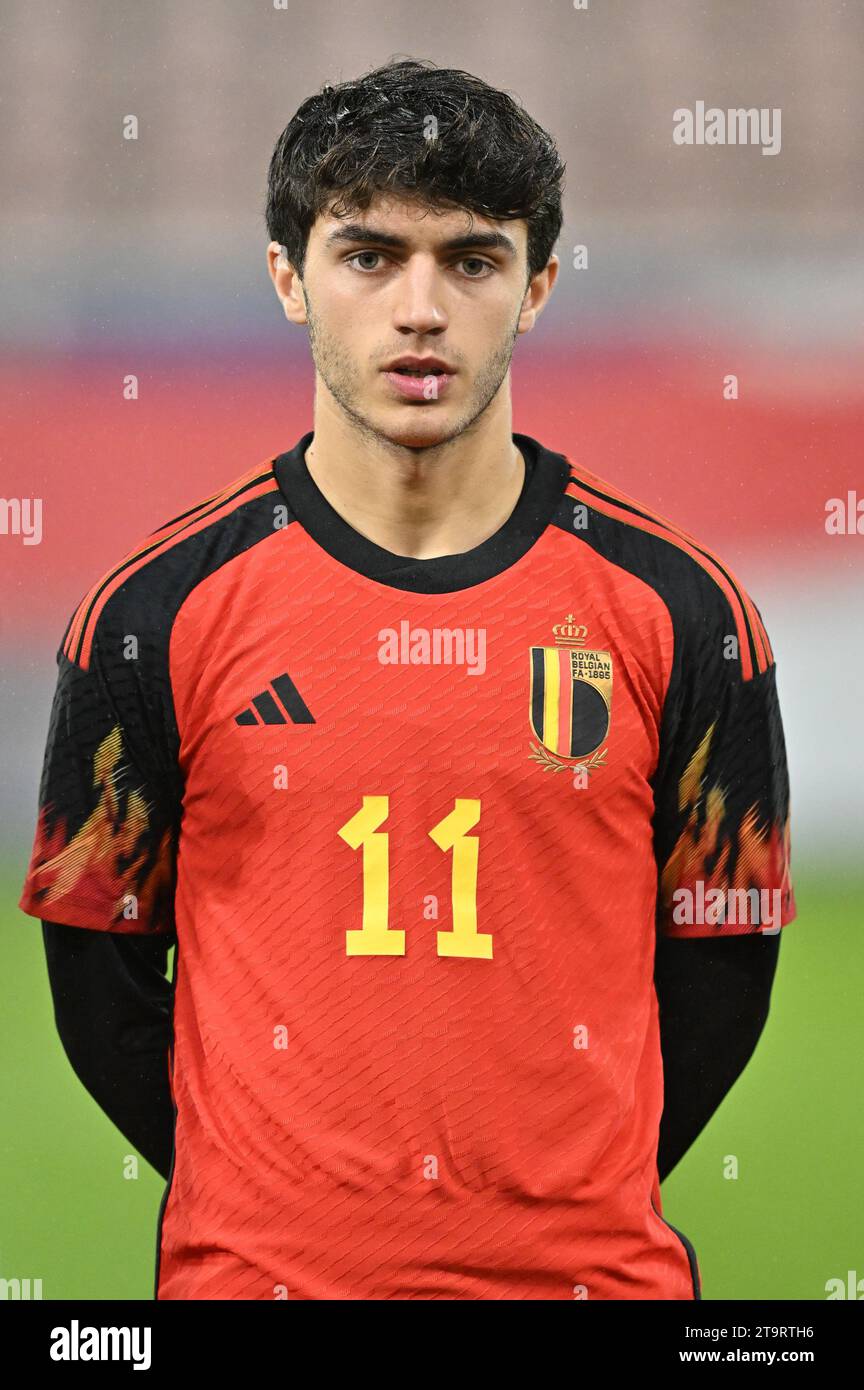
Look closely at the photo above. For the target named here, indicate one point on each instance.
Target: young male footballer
(456, 775)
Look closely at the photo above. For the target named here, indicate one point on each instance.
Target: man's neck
(422, 503)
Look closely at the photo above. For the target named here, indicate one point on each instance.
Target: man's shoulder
(701, 591)
(143, 590)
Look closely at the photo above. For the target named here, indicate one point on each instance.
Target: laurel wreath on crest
(540, 754)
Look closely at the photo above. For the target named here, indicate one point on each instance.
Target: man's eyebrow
(359, 232)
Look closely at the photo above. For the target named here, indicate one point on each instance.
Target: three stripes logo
(265, 709)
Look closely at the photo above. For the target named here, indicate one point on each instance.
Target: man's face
(402, 280)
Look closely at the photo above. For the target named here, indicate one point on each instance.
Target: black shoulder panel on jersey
(641, 515)
(169, 533)
(699, 609)
(146, 603)
(721, 785)
(111, 789)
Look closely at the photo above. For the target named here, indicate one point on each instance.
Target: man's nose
(420, 297)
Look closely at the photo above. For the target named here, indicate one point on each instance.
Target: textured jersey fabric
(415, 834)
(113, 1008)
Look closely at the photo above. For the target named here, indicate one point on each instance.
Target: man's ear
(536, 295)
(286, 282)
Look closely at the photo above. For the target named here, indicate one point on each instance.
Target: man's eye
(357, 255)
(476, 261)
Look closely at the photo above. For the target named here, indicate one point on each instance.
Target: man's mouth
(413, 364)
(420, 371)
(424, 383)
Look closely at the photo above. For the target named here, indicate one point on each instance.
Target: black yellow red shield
(570, 703)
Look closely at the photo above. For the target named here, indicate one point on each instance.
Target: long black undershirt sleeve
(713, 996)
(113, 1007)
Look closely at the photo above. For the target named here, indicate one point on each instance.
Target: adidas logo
(265, 710)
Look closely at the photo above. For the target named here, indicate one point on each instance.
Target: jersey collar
(546, 477)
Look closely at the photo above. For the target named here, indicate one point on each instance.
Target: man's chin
(417, 427)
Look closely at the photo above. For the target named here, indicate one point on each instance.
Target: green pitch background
(791, 1220)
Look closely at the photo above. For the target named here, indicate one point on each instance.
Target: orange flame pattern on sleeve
(109, 860)
(760, 854)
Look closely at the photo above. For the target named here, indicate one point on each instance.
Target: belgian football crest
(570, 700)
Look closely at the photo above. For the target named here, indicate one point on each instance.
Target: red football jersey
(415, 824)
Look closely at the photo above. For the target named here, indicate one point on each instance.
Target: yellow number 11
(376, 938)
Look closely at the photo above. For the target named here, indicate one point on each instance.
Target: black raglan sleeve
(109, 807)
(722, 846)
(721, 792)
(102, 871)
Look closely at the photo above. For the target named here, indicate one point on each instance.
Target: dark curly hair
(481, 152)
